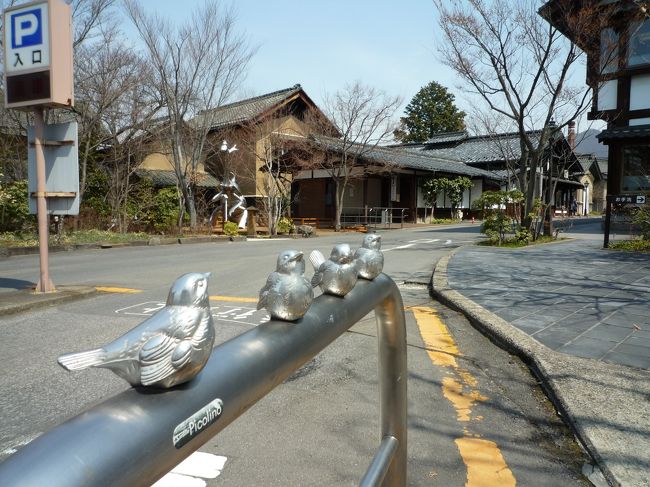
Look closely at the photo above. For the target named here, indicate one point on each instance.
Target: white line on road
(400, 247)
(191, 471)
(266, 239)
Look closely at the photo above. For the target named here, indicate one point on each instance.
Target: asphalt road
(476, 416)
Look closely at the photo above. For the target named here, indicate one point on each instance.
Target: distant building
(499, 156)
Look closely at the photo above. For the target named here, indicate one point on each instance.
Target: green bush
(285, 225)
(642, 219)
(637, 245)
(496, 221)
(14, 208)
(231, 229)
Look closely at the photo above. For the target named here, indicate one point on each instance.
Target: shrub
(642, 219)
(285, 225)
(14, 208)
(231, 229)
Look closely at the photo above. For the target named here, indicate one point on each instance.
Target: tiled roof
(411, 160)
(244, 110)
(445, 137)
(168, 178)
(624, 133)
(478, 149)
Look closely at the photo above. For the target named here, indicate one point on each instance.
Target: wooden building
(618, 71)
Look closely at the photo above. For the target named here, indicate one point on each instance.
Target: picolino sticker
(197, 423)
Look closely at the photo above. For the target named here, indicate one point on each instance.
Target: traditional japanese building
(499, 154)
(618, 71)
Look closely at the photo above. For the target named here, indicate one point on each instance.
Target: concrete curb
(27, 300)
(154, 241)
(593, 398)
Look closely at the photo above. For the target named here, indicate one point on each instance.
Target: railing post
(391, 332)
(137, 436)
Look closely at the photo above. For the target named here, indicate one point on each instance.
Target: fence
(373, 217)
(137, 436)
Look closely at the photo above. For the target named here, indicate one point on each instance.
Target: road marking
(266, 239)
(124, 290)
(191, 471)
(448, 242)
(398, 248)
(233, 299)
(235, 314)
(485, 464)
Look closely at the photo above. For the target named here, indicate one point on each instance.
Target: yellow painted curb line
(233, 299)
(123, 290)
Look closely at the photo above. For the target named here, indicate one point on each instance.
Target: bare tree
(197, 67)
(363, 117)
(521, 67)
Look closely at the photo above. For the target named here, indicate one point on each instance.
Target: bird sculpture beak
(298, 256)
(207, 274)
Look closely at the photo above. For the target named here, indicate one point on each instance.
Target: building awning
(624, 133)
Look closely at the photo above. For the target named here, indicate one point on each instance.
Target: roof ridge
(255, 98)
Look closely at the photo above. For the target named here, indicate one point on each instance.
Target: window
(608, 51)
(639, 48)
(636, 168)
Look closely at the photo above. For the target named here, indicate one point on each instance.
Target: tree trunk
(338, 201)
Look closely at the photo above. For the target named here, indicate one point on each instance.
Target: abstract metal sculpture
(229, 192)
(370, 260)
(287, 293)
(338, 274)
(168, 348)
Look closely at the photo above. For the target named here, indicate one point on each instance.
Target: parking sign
(38, 55)
(27, 39)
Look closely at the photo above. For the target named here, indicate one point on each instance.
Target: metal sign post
(38, 74)
(44, 285)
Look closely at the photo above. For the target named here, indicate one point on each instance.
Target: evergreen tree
(431, 110)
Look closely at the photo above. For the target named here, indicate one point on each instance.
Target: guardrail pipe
(137, 436)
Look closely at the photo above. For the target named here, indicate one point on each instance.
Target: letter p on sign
(26, 29)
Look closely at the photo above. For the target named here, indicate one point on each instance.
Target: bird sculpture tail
(316, 258)
(82, 360)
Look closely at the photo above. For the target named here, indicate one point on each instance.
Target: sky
(324, 44)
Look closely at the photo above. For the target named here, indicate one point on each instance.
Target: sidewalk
(580, 317)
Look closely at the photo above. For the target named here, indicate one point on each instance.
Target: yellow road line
(233, 299)
(485, 464)
(124, 290)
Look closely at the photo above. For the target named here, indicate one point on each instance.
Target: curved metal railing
(137, 436)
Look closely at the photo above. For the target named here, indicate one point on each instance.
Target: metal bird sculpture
(287, 293)
(338, 274)
(369, 257)
(168, 348)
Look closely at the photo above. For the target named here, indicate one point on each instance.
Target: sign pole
(44, 284)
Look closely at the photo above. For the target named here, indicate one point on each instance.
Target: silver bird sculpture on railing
(336, 275)
(369, 257)
(168, 348)
(287, 293)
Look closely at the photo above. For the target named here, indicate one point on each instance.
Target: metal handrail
(136, 437)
